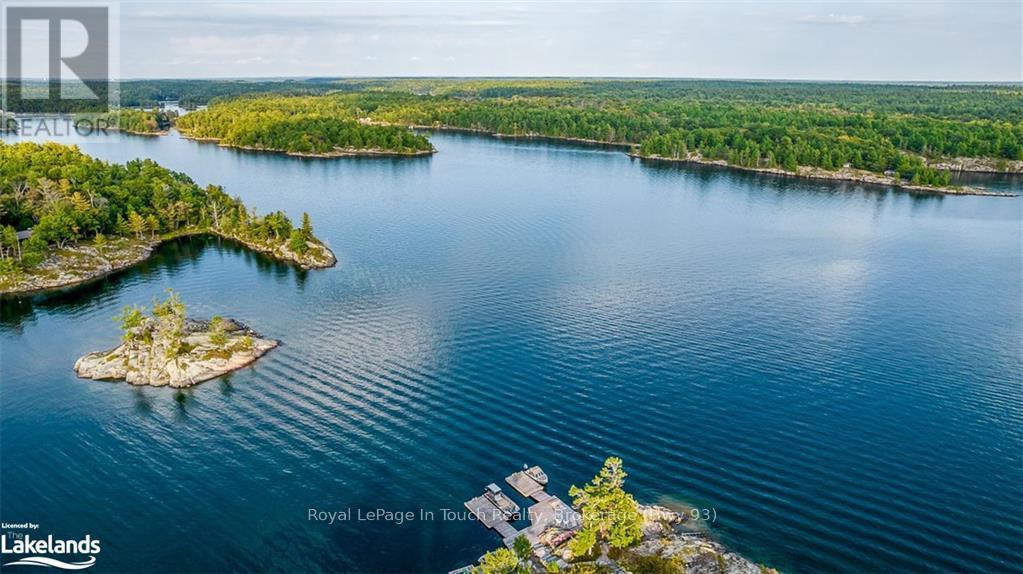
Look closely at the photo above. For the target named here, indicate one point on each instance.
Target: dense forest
(747, 134)
(297, 124)
(875, 127)
(65, 196)
(999, 102)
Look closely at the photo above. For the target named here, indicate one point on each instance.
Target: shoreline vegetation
(336, 153)
(143, 134)
(908, 136)
(165, 348)
(608, 531)
(68, 218)
(845, 174)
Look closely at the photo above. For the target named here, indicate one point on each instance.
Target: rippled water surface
(835, 370)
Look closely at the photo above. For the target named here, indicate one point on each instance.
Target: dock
(507, 532)
(490, 515)
(550, 518)
(525, 485)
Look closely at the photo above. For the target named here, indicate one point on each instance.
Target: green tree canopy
(609, 513)
(500, 561)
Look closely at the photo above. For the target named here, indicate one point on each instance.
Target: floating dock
(490, 515)
(525, 485)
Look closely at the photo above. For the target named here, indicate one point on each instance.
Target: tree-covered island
(140, 122)
(67, 218)
(302, 126)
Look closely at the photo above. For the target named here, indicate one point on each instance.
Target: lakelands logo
(33, 551)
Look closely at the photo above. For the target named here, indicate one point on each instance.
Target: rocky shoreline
(978, 165)
(604, 531)
(844, 174)
(318, 256)
(78, 264)
(83, 263)
(206, 352)
(669, 542)
(667, 539)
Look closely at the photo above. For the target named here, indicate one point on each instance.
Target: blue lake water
(835, 370)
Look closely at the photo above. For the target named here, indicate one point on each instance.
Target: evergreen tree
(609, 513)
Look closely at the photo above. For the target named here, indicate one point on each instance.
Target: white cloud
(253, 60)
(240, 46)
(791, 39)
(833, 19)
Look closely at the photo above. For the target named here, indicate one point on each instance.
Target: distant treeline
(42, 97)
(192, 93)
(876, 127)
(1000, 102)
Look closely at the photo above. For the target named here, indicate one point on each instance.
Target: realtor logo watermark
(59, 67)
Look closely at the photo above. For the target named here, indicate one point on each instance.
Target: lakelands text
(48, 545)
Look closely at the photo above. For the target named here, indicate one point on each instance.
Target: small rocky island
(166, 349)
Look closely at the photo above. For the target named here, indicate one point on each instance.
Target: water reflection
(170, 258)
(182, 397)
(776, 186)
(143, 403)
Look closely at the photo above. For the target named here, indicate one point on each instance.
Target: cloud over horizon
(894, 41)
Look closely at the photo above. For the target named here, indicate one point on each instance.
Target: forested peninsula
(912, 136)
(67, 218)
(302, 126)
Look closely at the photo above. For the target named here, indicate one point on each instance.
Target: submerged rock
(198, 356)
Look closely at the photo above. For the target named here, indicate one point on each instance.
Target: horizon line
(528, 77)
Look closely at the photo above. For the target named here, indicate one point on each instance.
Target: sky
(883, 41)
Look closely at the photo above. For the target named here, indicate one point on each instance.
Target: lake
(834, 370)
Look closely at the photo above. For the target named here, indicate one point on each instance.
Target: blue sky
(894, 40)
